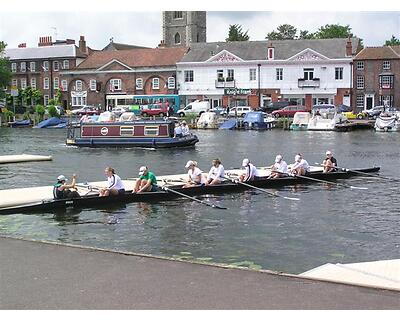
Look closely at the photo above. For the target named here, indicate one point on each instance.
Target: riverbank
(38, 275)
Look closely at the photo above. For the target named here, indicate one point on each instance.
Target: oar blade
(358, 188)
(291, 198)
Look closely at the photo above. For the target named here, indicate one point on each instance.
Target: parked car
(119, 110)
(373, 113)
(219, 110)
(288, 111)
(155, 109)
(344, 108)
(89, 110)
(272, 106)
(197, 107)
(239, 111)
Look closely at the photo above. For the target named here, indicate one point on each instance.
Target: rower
(300, 166)
(62, 190)
(185, 128)
(251, 172)
(115, 185)
(330, 163)
(147, 181)
(196, 177)
(279, 169)
(216, 173)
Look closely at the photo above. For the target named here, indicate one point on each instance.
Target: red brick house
(376, 76)
(106, 78)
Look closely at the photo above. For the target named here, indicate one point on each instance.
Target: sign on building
(236, 91)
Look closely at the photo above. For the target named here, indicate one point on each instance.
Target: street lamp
(259, 85)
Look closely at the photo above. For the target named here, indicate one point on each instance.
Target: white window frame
(23, 83)
(308, 74)
(93, 84)
(171, 83)
(360, 100)
(360, 82)
(56, 83)
(139, 84)
(45, 66)
(360, 65)
(56, 63)
(46, 83)
(14, 67)
(22, 66)
(78, 85)
(386, 82)
(64, 85)
(32, 66)
(252, 74)
(279, 74)
(188, 75)
(339, 73)
(155, 83)
(46, 99)
(115, 84)
(386, 65)
(66, 64)
(33, 83)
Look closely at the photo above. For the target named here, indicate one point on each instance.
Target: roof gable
(308, 55)
(114, 65)
(224, 56)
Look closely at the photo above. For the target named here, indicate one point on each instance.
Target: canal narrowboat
(139, 133)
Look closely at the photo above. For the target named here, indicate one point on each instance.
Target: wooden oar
(87, 186)
(366, 173)
(262, 190)
(212, 205)
(330, 182)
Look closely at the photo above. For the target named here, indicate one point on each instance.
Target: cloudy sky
(144, 27)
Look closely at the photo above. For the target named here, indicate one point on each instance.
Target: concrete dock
(37, 275)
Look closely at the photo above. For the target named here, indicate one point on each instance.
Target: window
(308, 73)
(23, 66)
(64, 85)
(252, 75)
(13, 67)
(56, 83)
(360, 65)
(14, 82)
(46, 100)
(386, 101)
(93, 84)
(46, 83)
(189, 76)
(339, 73)
(155, 83)
(32, 66)
(178, 15)
(171, 83)
(115, 84)
(386, 82)
(139, 84)
(78, 85)
(220, 75)
(45, 66)
(78, 101)
(56, 66)
(33, 83)
(360, 82)
(386, 65)
(231, 75)
(279, 74)
(23, 83)
(177, 38)
(66, 64)
(360, 100)
(151, 130)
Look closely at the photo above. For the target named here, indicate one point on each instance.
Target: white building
(306, 72)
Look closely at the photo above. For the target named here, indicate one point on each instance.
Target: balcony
(314, 83)
(228, 83)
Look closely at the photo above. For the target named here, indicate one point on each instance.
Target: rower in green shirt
(147, 181)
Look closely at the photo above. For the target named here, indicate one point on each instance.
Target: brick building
(40, 67)
(110, 78)
(376, 77)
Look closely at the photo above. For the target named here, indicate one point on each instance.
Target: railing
(225, 83)
(314, 83)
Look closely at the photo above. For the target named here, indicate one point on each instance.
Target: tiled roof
(135, 58)
(379, 53)
(58, 51)
(122, 46)
(257, 50)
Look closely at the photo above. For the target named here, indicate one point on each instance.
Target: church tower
(180, 28)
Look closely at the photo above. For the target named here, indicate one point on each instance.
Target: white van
(197, 107)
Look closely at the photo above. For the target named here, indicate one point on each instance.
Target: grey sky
(144, 28)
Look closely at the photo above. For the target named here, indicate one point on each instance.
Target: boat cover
(228, 124)
(49, 122)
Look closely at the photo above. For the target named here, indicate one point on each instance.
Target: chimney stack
(162, 44)
(45, 41)
(22, 45)
(82, 44)
(349, 48)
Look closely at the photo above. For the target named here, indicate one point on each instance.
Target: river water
(329, 224)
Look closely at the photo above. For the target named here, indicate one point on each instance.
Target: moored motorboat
(20, 124)
(387, 122)
(325, 118)
(300, 121)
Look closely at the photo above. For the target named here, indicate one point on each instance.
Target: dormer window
(271, 53)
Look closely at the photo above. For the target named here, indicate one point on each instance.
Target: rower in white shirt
(216, 173)
(196, 177)
(300, 166)
(251, 171)
(279, 169)
(185, 128)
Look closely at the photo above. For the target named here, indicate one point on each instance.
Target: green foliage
(57, 99)
(36, 96)
(284, 32)
(236, 33)
(40, 110)
(330, 31)
(304, 34)
(27, 116)
(5, 72)
(393, 41)
(8, 115)
(52, 102)
(53, 111)
(190, 117)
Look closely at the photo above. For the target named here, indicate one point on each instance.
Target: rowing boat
(163, 195)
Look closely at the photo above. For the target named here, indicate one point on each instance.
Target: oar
(87, 186)
(262, 190)
(212, 205)
(366, 174)
(333, 183)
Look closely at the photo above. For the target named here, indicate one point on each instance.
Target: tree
(5, 72)
(284, 32)
(330, 31)
(304, 34)
(393, 41)
(236, 33)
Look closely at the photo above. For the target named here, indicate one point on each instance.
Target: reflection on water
(330, 223)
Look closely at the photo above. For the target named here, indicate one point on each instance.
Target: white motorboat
(208, 120)
(300, 121)
(387, 122)
(325, 118)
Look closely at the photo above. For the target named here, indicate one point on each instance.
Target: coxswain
(178, 131)
(196, 177)
(115, 186)
(251, 172)
(185, 128)
(279, 169)
(147, 181)
(300, 167)
(330, 163)
(216, 173)
(62, 190)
